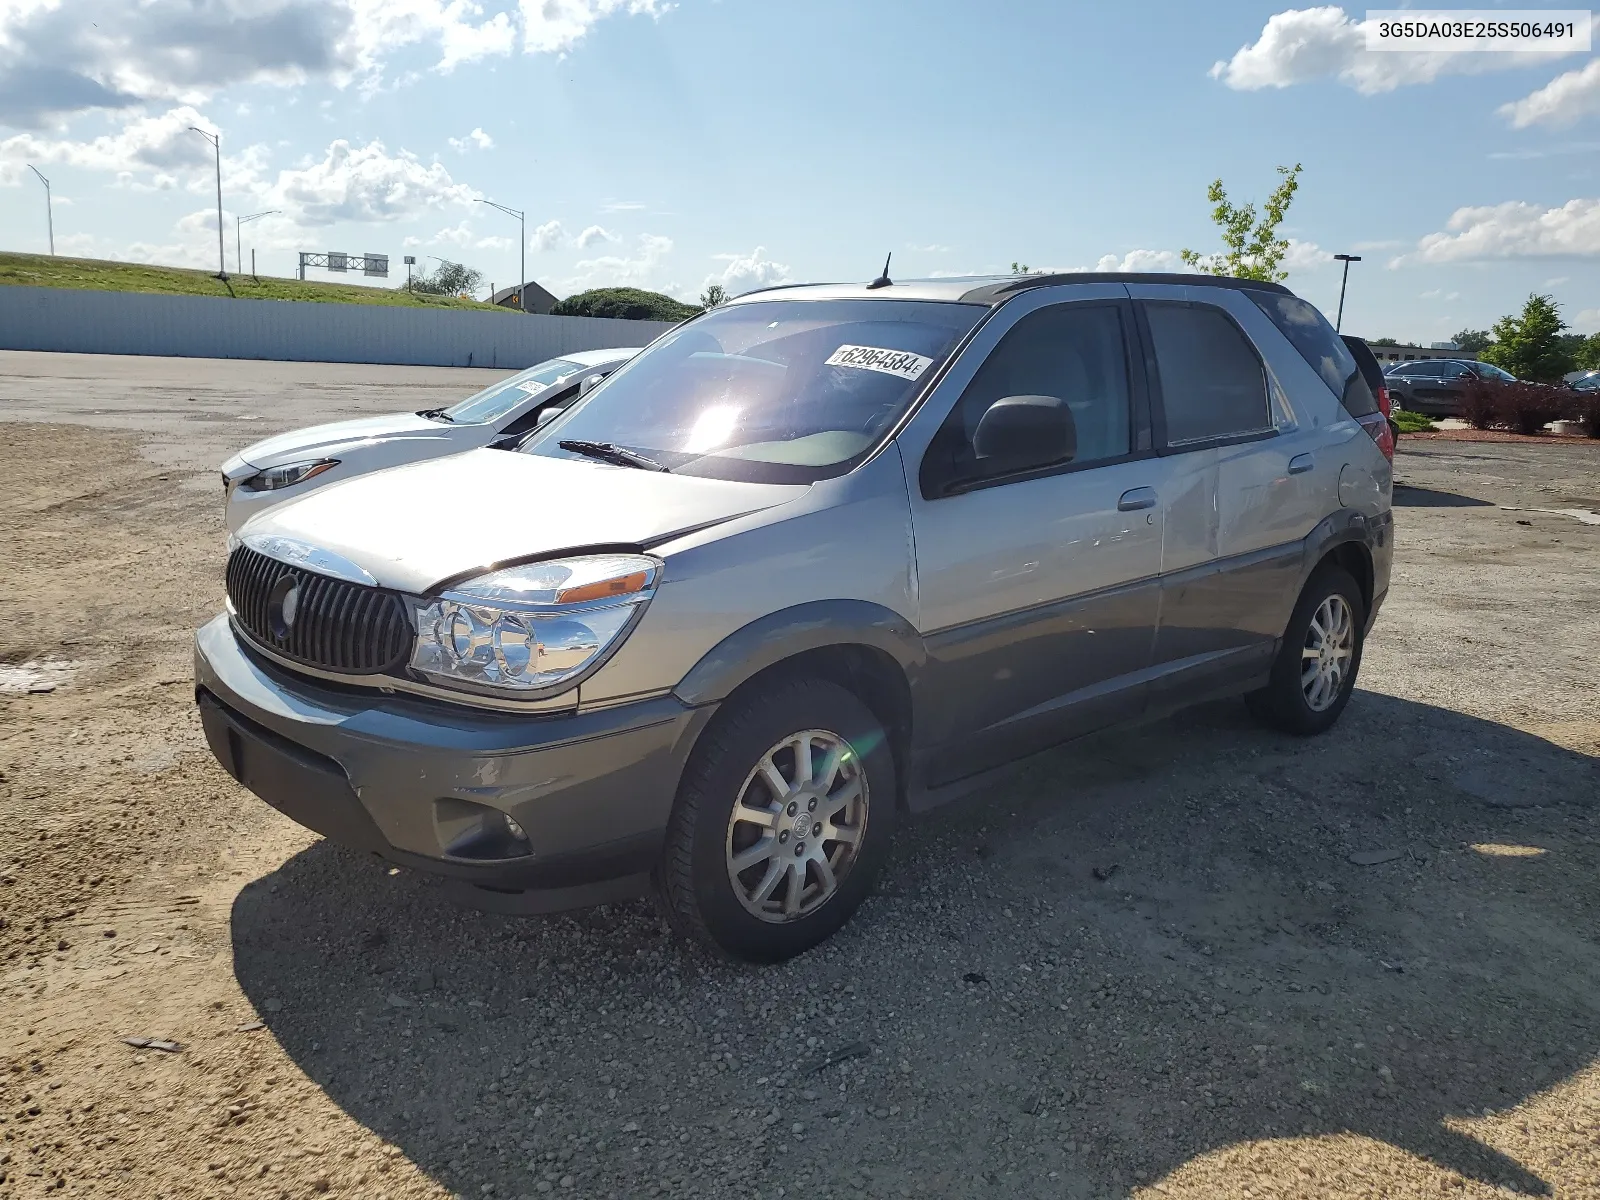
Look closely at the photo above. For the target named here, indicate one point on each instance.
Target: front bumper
(401, 778)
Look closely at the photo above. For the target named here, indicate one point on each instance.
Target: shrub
(630, 304)
(1529, 407)
(1410, 422)
(1519, 407)
(1585, 409)
(1478, 407)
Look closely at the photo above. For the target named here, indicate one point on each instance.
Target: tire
(1290, 701)
(698, 879)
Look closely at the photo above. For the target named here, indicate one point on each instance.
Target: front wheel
(1315, 670)
(783, 818)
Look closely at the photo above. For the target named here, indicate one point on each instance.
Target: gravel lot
(1161, 962)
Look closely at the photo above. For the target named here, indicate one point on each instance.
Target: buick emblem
(283, 605)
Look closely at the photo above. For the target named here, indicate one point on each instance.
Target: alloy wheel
(797, 826)
(1328, 653)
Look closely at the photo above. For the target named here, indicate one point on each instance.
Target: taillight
(1377, 427)
(1385, 406)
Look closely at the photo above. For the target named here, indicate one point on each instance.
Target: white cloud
(1560, 102)
(59, 57)
(1513, 230)
(594, 235)
(160, 143)
(555, 26)
(622, 206)
(640, 269)
(934, 248)
(548, 236)
(1587, 321)
(1141, 260)
(1438, 294)
(746, 272)
(476, 140)
(1302, 256)
(1304, 44)
(364, 183)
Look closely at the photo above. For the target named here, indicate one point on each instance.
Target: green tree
(1588, 356)
(449, 279)
(1022, 268)
(1382, 342)
(715, 296)
(1529, 345)
(1253, 248)
(629, 304)
(1474, 341)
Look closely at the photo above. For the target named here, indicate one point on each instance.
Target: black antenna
(882, 280)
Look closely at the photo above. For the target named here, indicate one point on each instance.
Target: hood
(414, 526)
(321, 440)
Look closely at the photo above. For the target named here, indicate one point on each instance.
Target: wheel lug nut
(783, 837)
(812, 807)
(799, 849)
(793, 808)
(816, 830)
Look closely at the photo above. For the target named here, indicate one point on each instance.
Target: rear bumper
(423, 784)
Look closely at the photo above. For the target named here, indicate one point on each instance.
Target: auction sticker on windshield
(901, 363)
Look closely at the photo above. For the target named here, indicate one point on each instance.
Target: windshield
(778, 391)
(500, 398)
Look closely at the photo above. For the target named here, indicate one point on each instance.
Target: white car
(292, 464)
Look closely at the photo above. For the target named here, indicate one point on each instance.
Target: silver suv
(808, 562)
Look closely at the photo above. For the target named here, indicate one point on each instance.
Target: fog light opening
(467, 829)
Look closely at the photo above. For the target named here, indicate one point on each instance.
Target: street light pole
(49, 214)
(522, 240)
(1346, 259)
(216, 144)
(238, 224)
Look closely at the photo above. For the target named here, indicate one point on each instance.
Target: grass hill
(44, 270)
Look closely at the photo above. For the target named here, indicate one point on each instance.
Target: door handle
(1137, 498)
(1300, 464)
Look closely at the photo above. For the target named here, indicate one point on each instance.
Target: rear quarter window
(1308, 332)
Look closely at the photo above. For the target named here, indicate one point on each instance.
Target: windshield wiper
(611, 453)
(437, 414)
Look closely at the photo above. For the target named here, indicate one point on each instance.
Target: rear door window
(1308, 332)
(1213, 385)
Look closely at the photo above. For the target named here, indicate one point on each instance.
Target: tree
(1529, 345)
(715, 296)
(1473, 341)
(1021, 268)
(629, 304)
(449, 279)
(1383, 342)
(1254, 249)
(1588, 356)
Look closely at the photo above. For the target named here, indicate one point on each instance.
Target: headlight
(532, 629)
(274, 478)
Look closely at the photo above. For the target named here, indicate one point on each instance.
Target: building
(539, 300)
(1390, 354)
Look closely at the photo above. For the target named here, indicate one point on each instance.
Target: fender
(1350, 526)
(791, 631)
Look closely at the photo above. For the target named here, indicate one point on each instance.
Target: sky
(670, 144)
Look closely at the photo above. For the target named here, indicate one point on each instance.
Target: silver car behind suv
(802, 566)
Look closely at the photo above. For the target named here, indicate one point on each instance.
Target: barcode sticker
(901, 363)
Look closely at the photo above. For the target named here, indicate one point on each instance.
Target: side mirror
(589, 385)
(1021, 432)
(547, 414)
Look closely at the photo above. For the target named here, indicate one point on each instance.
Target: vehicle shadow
(1407, 496)
(1142, 948)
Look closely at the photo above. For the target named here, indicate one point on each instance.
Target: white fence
(88, 322)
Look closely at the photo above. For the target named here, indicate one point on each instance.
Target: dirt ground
(1161, 962)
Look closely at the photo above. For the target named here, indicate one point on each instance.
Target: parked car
(1435, 387)
(1589, 382)
(292, 464)
(1376, 384)
(816, 557)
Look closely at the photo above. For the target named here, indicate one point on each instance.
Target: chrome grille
(337, 626)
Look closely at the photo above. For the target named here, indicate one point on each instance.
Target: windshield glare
(500, 398)
(770, 391)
